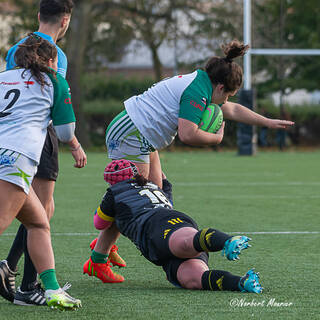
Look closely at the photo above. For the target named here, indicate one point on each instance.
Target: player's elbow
(186, 136)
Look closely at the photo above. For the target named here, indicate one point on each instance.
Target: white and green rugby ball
(212, 119)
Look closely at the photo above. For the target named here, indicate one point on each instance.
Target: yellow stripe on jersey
(103, 216)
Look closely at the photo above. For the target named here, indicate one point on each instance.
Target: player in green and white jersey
(152, 119)
(30, 96)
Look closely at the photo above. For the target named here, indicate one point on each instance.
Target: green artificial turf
(270, 197)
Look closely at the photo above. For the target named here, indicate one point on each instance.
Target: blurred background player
(33, 95)
(54, 17)
(166, 237)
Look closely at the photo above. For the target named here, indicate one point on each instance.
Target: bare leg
(12, 198)
(155, 174)
(151, 171)
(44, 190)
(106, 239)
(181, 243)
(190, 273)
(34, 217)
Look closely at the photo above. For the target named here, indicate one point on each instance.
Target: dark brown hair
(33, 54)
(224, 70)
(140, 180)
(51, 11)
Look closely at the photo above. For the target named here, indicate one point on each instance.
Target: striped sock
(210, 240)
(220, 280)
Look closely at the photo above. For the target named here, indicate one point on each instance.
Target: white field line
(246, 184)
(82, 234)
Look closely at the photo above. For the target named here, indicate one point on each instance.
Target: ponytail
(224, 70)
(33, 55)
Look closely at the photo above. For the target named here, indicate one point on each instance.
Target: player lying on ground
(166, 237)
(34, 94)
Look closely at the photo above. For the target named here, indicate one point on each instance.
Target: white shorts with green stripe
(17, 169)
(124, 141)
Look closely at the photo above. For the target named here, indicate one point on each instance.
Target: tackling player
(166, 237)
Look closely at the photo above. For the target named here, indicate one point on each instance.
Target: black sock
(16, 249)
(220, 280)
(29, 274)
(210, 240)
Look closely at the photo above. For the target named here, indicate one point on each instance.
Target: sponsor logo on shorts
(7, 160)
(113, 145)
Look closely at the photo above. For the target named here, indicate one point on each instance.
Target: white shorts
(17, 169)
(124, 141)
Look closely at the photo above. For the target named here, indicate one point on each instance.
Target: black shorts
(158, 230)
(48, 167)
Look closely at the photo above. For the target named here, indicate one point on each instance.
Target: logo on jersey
(9, 83)
(166, 233)
(67, 101)
(204, 101)
(198, 106)
(175, 221)
(28, 83)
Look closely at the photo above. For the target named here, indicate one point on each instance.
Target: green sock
(98, 257)
(49, 279)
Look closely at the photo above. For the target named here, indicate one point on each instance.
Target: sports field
(273, 197)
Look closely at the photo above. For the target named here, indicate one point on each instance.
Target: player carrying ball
(168, 238)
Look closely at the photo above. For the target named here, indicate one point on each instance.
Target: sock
(16, 250)
(220, 280)
(210, 240)
(30, 274)
(97, 257)
(49, 279)
(167, 189)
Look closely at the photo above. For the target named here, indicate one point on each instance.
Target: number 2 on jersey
(16, 96)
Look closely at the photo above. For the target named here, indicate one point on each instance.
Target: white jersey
(26, 109)
(155, 113)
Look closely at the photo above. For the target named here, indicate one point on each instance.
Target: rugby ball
(212, 119)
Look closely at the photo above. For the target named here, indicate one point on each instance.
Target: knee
(182, 245)
(190, 283)
(190, 273)
(42, 225)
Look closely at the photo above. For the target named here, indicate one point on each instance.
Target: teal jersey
(61, 110)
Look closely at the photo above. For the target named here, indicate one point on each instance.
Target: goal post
(247, 92)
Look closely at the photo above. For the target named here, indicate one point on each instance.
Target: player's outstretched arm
(237, 112)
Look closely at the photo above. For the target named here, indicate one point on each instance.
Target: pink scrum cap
(119, 170)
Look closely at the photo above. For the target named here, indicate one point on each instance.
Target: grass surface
(271, 192)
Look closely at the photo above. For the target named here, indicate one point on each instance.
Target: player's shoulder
(57, 80)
